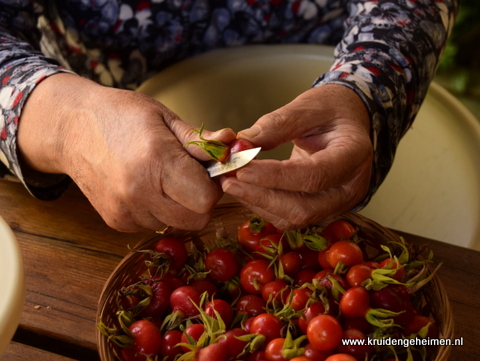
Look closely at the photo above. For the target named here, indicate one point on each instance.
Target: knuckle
(204, 203)
(262, 200)
(121, 221)
(121, 206)
(189, 221)
(313, 182)
(284, 225)
(301, 218)
(276, 118)
(199, 223)
(307, 177)
(273, 129)
(295, 222)
(128, 192)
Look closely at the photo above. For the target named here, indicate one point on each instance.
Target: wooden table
(69, 252)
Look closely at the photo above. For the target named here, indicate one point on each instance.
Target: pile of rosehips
(274, 296)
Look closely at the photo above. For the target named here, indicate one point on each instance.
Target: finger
(322, 106)
(276, 128)
(174, 186)
(123, 215)
(288, 210)
(179, 217)
(303, 175)
(187, 183)
(287, 123)
(185, 133)
(136, 222)
(172, 171)
(328, 168)
(164, 197)
(137, 217)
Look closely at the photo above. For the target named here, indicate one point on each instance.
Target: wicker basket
(226, 219)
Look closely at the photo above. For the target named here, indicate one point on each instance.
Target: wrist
(349, 104)
(46, 127)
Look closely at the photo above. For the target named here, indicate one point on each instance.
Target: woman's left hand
(330, 166)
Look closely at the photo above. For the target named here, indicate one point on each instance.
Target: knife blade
(236, 161)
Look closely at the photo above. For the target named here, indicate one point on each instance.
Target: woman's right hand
(123, 149)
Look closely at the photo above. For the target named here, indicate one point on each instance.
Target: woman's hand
(123, 149)
(330, 167)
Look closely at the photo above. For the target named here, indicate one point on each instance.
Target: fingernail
(233, 189)
(220, 131)
(216, 134)
(249, 133)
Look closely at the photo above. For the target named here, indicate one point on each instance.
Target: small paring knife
(234, 162)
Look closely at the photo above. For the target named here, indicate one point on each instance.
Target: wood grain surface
(69, 252)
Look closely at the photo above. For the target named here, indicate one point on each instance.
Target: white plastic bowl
(12, 285)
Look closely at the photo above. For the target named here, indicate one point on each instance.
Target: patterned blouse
(387, 52)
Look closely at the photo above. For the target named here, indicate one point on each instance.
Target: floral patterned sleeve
(22, 67)
(387, 52)
(388, 55)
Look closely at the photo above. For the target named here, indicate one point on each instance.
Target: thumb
(275, 128)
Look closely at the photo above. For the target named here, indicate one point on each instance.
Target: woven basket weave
(224, 224)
